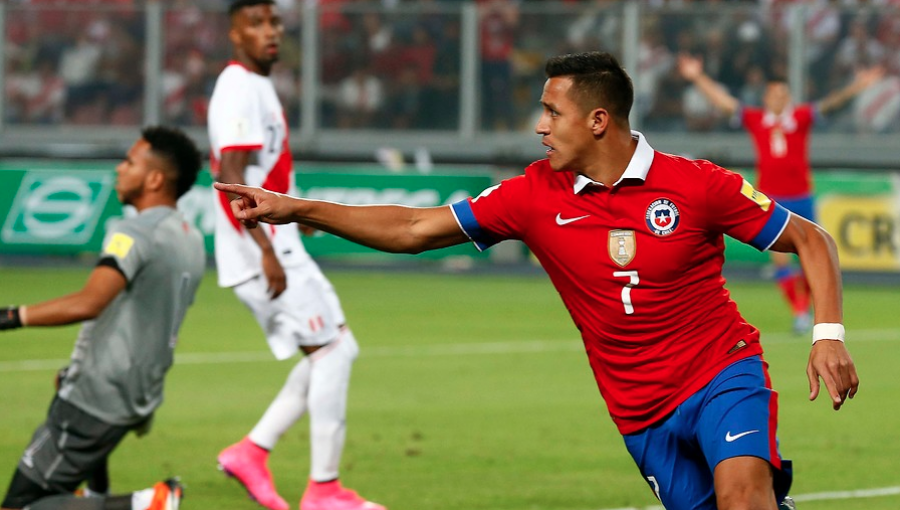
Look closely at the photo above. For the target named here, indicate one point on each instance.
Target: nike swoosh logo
(729, 438)
(565, 221)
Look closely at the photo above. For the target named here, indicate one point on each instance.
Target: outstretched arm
(829, 358)
(864, 79)
(103, 285)
(390, 228)
(691, 69)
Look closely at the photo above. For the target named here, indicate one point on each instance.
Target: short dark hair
(178, 152)
(240, 4)
(598, 80)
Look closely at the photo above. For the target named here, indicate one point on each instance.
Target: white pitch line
(816, 496)
(530, 346)
(862, 493)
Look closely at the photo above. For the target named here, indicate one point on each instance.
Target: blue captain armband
(462, 210)
(772, 230)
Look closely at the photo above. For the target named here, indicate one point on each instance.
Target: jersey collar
(637, 167)
(786, 119)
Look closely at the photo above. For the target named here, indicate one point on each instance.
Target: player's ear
(156, 179)
(599, 120)
(234, 36)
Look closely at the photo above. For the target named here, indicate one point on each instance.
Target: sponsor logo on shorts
(730, 439)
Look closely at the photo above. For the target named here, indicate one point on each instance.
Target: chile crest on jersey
(662, 217)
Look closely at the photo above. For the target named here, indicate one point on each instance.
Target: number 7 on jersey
(633, 280)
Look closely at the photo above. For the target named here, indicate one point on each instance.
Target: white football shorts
(307, 313)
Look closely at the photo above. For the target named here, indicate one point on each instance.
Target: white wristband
(828, 331)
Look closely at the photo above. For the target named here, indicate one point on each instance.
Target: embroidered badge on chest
(622, 246)
(662, 217)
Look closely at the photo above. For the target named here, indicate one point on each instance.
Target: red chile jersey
(782, 149)
(639, 267)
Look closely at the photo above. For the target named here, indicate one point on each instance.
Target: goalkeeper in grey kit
(131, 308)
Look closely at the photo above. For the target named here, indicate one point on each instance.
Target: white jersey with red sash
(245, 114)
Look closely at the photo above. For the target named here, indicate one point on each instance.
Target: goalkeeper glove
(9, 318)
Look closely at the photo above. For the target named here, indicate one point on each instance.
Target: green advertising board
(861, 210)
(63, 207)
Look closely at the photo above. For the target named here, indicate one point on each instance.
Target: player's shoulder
(540, 175)
(805, 110)
(234, 74)
(688, 167)
(750, 114)
(136, 226)
(748, 109)
(539, 167)
(171, 231)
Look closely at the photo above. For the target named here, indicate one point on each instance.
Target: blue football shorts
(801, 206)
(735, 415)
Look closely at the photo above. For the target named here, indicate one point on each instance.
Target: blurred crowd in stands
(395, 64)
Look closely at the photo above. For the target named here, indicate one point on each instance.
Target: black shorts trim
(23, 492)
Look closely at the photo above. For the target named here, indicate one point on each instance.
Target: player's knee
(745, 496)
(744, 483)
(746, 502)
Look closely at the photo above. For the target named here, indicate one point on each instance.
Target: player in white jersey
(274, 276)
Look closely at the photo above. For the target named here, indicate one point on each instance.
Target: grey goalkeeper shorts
(68, 447)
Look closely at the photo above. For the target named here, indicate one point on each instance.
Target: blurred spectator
(419, 55)
(596, 27)
(497, 23)
(98, 49)
(751, 91)
(654, 62)
(404, 100)
(822, 30)
(359, 99)
(79, 69)
(379, 45)
(332, 19)
(877, 109)
(668, 111)
(857, 49)
(122, 75)
(889, 35)
(37, 96)
(699, 112)
(287, 85)
(440, 97)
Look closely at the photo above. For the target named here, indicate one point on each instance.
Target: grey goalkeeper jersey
(121, 357)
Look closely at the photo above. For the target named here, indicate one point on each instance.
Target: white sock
(329, 383)
(140, 500)
(288, 407)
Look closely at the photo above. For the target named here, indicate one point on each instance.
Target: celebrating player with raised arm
(131, 309)
(780, 131)
(632, 239)
(273, 275)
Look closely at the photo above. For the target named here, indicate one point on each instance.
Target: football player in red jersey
(780, 131)
(632, 239)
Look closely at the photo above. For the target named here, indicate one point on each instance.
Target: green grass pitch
(471, 392)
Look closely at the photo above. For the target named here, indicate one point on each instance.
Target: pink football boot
(332, 496)
(246, 463)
